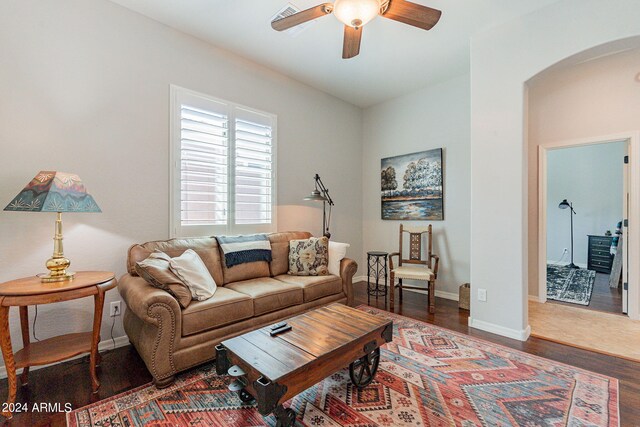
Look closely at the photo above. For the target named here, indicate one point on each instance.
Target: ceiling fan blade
(302, 17)
(413, 14)
(351, 43)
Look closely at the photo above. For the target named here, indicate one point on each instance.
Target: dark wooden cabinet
(599, 257)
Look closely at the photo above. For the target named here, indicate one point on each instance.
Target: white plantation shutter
(253, 168)
(204, 166)
(223, 167)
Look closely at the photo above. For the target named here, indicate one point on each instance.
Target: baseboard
(448, 295)
(440, 294)
(520, 335)
(564, 263)
(102, 346)
(535, 298)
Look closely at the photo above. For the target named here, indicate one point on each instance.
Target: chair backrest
(415, 245)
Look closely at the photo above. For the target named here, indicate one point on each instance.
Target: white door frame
(633, 139)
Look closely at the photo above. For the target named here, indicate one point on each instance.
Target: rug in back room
(428, 376)
(574, 285)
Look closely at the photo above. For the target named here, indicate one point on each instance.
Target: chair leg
(432, 296)
(392, 289)
(400, 288)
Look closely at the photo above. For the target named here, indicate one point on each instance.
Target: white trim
(440, 294)
(551, 262)
(633, 231)
(448, 295)
(520, 335)
(174, 157)
(633, 138)
(102, 346)
(542, 225)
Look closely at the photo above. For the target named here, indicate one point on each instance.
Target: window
(222, 167)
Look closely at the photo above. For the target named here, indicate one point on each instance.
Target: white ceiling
(394, 58)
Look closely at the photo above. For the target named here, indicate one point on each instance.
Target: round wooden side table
(31, 291)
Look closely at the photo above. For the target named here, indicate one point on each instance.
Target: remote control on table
(277, 326)
(281, 330)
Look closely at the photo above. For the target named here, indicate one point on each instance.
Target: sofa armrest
(348, 269)
(143, 299)
(161, 319)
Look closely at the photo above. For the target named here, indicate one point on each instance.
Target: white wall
(572, 102)
(591, 178)
(85, 89)
(437, 116)
(502, 60)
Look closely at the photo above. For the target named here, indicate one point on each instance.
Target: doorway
(585, 212)
(629, 292)
(603, 323)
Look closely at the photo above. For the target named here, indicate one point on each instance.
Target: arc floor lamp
(321, 194)
(569, 205)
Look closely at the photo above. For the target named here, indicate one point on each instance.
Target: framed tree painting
(411, 186)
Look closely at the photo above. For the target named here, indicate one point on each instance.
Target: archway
(503, 60)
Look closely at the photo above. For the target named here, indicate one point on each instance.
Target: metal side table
(377, 268)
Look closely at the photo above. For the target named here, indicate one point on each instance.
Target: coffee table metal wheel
(285, 417)
(363, 370)
(245, 396)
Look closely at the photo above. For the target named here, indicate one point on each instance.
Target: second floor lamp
(568, 205)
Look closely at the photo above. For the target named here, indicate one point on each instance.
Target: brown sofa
(170, 339)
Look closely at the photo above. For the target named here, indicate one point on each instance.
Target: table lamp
(56, 192)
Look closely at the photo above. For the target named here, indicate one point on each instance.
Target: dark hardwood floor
(603, 298)
(122, 369)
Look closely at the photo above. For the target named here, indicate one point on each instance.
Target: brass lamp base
(51, 278)
(57, 264)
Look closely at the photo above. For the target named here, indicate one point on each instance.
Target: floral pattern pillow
(309, 257)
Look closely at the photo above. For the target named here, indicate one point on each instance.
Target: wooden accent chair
(417, 268)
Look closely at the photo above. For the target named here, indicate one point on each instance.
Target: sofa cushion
(246, 271)
(206, 247)
(280, 250)
(309, 257)
(224, 307)
(337, 252)
(314, 287)
(157, 273)
(193, 273)
(269, 294)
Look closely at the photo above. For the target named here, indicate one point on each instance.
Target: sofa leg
(165, 382)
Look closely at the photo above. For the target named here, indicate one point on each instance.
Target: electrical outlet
(482, 295)
(115, 309)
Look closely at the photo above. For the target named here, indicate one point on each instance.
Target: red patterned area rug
(428, 376)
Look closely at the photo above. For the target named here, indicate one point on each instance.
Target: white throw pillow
(337, 251)
(192, 271)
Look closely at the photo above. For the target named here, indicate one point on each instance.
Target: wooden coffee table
(272, 370)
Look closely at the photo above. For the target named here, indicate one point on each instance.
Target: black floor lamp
(568, 205)
(321, 194)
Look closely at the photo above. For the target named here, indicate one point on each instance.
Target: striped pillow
(247, 248)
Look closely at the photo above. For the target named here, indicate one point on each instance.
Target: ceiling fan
(356, 13)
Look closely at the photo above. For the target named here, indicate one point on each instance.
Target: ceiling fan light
(356, 13)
